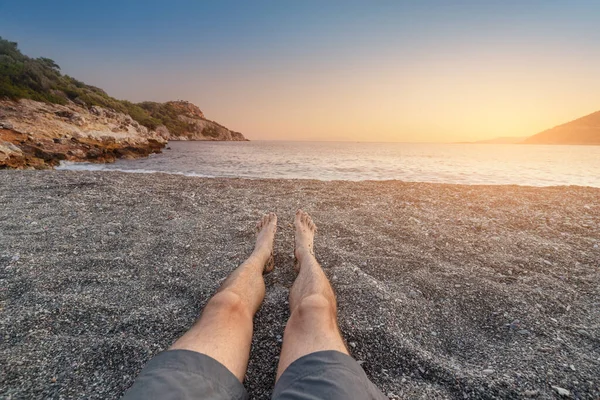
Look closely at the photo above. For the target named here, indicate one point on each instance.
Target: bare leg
(313, 321)
(224, 330)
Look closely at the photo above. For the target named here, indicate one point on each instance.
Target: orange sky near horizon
(443, 98)
(427, 71)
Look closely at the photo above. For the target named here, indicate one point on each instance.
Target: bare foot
(265, 236)
(305, 234)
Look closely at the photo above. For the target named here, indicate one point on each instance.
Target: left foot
(263, 249)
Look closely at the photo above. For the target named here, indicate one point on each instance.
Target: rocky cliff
(584, 130)
(47, 117)
(39, 135)
(185, 121)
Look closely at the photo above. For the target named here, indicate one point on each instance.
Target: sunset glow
(390, 72)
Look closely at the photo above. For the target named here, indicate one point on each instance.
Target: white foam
(86, 166)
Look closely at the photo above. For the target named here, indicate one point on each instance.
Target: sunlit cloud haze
(364, 71)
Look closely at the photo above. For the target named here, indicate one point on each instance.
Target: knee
(315, 308)
(228, 303)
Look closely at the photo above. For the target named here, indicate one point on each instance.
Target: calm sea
(536, 165)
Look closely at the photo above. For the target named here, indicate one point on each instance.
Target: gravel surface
(445, 291)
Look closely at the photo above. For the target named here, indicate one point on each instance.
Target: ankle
(304, 254)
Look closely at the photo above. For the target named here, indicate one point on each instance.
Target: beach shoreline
(444, 290)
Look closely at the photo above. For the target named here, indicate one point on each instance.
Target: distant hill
(584, 130)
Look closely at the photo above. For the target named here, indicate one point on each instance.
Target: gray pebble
(561, 391)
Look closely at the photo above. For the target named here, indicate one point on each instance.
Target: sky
(398, 71)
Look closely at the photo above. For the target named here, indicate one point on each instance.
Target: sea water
(535, 165)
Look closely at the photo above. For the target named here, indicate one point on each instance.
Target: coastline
(444, 290)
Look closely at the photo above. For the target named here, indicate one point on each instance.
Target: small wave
(86, 166)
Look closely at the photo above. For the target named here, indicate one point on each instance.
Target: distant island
(47, 117)
(584, 130)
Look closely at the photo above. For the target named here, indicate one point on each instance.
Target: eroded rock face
(203, 129)
(40, 135)
(198, 127)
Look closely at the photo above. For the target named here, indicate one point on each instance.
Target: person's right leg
(312, 325)
(314, 361)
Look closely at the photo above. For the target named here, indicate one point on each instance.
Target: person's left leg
(224, 330)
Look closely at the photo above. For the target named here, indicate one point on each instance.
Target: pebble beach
(444, 291)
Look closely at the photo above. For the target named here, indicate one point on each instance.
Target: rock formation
(47, 117)
(185, 121)
(40, 135)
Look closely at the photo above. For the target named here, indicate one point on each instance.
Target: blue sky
(389, 70)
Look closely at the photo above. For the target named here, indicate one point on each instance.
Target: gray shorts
(183, 374)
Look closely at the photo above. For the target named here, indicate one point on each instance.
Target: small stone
(531, 393)
(561, 391)
(572, 367)
(524, 332)
(433, 333)
(352, 344)
(14, 258)
(596, 246)
(6, 125)
(547, 262)
(487, 371)
(187, 246)
(111, 234)
(413, 294)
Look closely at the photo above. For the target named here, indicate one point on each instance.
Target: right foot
(263, 249)
(305, 234)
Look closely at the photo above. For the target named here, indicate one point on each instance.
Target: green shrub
(39, 79)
